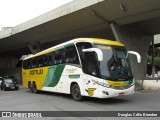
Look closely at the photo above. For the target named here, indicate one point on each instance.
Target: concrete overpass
(132, 22)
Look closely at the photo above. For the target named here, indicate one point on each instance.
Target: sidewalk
(148, 86)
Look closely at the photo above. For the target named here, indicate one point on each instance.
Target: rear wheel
(34, 87)
(30, 87)
(76, 92)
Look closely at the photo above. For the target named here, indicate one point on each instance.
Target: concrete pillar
(8, 61)
(8, 67)
(134, 40)
(153, 62)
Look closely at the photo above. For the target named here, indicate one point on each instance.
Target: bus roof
(91, 40)
(99, 41)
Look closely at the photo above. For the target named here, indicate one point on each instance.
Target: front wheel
(76, 93)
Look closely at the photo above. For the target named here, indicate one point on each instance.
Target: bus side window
(34, 63)
(51, 59)
(91, 65)
(81, 46)
(58, 57)
(25, 64)
(45, 61)
(71, 55)
(28, 66)
(88, 59)
(40, 62)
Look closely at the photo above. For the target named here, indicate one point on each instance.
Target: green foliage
(156, 60)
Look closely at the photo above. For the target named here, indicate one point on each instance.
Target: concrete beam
(66, 21)
(134, 40)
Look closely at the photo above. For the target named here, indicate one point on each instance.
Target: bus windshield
(115, 64)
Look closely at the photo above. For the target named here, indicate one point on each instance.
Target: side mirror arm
(137, 55)
(98, 52)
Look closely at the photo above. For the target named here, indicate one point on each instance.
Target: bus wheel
(34, 88)
(76, 93)
(30, 87)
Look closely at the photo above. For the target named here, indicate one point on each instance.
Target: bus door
(89, 66)
(91, 72)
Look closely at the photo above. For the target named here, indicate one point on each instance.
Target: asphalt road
(23, 100)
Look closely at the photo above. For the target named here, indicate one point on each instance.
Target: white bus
(82, 67)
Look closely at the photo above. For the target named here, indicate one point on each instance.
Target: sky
(15, 12)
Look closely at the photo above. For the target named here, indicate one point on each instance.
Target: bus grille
(121, 87)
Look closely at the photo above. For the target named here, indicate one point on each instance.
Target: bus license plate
(121, 94)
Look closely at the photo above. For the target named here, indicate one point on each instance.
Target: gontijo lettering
(36, 72)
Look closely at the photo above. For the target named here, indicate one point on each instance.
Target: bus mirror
(137, 55)
(98, 52)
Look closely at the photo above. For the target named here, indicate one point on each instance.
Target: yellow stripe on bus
(113, 83)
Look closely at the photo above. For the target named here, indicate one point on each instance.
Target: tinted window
(87, 59)
(40, 61)
(62, 56)
(71, 55)
(51, 58)
(34, 63)
(59, 57)
(81, 46)
(27, 64)
(90, 62)
(45, 60)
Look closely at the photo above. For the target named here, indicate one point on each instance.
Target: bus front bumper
(110, 92)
